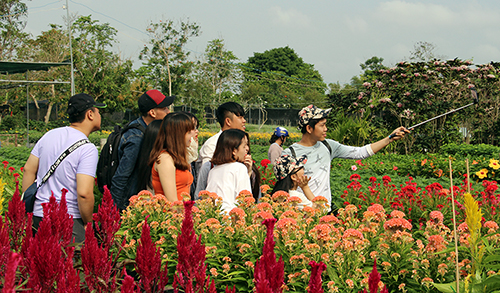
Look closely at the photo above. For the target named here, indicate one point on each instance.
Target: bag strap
(68, 151)
(324, 143)
(327, 146)
(293, 152)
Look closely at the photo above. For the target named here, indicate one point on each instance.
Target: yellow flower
(2, 186)
(483, 173)
(473, 218)
(494, 164)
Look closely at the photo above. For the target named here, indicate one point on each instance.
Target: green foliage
(354, 131)
(99, 71)
(16, 156)
(471, 151)
(12, 122)
(14, 16)
(166, 66)
(280, 78)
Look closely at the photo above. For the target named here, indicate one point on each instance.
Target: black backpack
(108, 160)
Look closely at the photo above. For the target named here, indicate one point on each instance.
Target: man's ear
(228, 122)
(152, 113)
(309, 129)
(90, 114)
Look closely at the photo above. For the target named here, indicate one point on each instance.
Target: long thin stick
(468, 177)
(457, 275)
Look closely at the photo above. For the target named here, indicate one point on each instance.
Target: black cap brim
(166, 102)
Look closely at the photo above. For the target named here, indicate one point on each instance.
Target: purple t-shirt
(81, 161)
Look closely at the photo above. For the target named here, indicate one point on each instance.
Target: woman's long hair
(142, 166)
(228, 141)
(171, 138)
(255, 180)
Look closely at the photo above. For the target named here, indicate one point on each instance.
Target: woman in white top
(290, 174)
(232, 167)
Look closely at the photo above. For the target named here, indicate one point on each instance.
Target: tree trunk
(49, 107)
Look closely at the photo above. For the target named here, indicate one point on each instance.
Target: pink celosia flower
(376, 208)
(491, 226)
(397, 214)
(436, 244)
(329, 219)
(286, 224)
(260, 216)
(436, 216)
(280, 196)
(321, 232)
(396, 224)
(264, 206)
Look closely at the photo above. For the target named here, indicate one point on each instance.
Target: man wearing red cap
(153, 106)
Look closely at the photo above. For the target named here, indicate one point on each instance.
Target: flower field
(406, 229)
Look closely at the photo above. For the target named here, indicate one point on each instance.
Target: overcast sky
(333, 35)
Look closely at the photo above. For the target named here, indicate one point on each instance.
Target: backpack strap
(135, 125)
(328, 147)
(293, 152)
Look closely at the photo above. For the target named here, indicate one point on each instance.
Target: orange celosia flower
(397, 214)
(264, 206)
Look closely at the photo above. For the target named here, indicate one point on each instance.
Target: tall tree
(219, 71)
(49, 46)
(283, 79)
(13, 17)
(423, 52)
(99, 71)
(165, 57)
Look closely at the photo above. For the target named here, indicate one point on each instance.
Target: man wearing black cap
(153, 106)
(76, 171)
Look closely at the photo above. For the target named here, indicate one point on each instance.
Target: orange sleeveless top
(183, 181)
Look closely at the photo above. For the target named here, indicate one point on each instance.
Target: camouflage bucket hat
(286, 164)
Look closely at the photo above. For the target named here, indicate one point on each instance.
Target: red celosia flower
(10, 273)
(5, 163)
(315, 282)
(191, 262)
(148, 263)
(4, 245)
(47, 265)
(107, 220)
(128, 285)
(12, 169)
(96, 264)
(265, 162)
(354, 177)
(269, 273)
(17, 220)
(374, 278)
